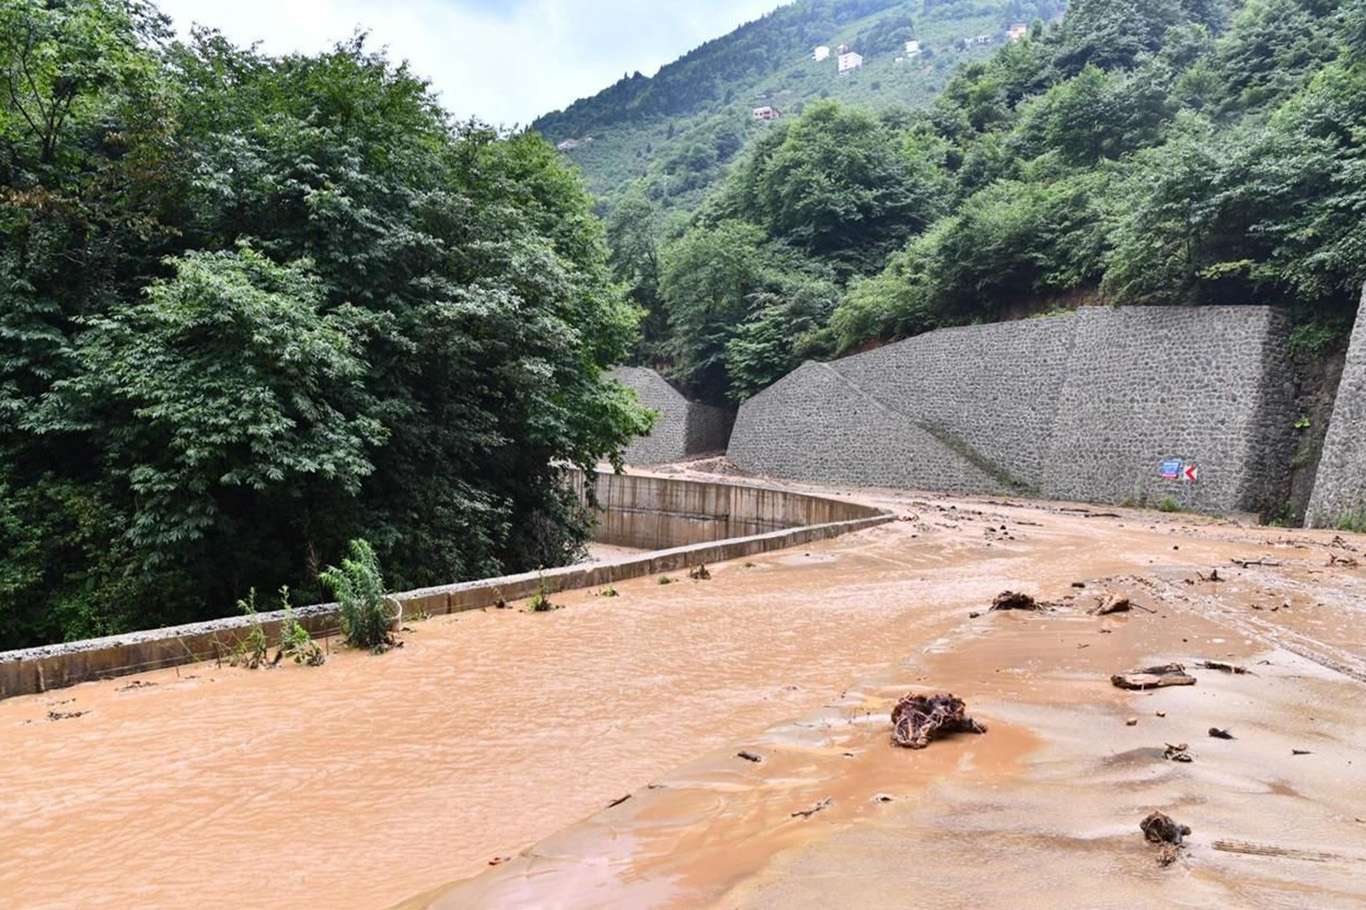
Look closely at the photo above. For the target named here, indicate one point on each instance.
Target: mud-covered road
(475, 766)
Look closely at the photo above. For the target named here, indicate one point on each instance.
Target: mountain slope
(681, 127)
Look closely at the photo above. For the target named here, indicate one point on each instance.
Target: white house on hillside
(820, 53)
(767, 113)
(850, 61)
(1017, 32)
(912, 48)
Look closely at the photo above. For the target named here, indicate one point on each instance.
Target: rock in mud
(1010, 600)
(1153, 678)
(917, 719)
(1179, 752)
(699, 573)
(1159, 828)
(1217, 733)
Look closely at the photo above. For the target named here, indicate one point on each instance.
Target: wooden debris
(749, 756)
(807, 813)
(1259, 561)
(1223, 667)
(1180, 752)
(1153, 678)
(1113, 603)
(699, 573)
(1248, 848)
(1218, 733)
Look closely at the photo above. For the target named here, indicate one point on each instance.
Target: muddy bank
(419, 767)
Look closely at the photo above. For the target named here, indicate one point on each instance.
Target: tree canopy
(252, 307)
(1156, 153)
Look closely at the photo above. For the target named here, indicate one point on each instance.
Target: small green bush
(359, 587)
(665, 580)
(251, 649)
(608, 591)
(1169, 504)
(1353, 521)
(295, 642)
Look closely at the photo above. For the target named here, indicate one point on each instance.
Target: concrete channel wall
(1081, 406)
(683, 523)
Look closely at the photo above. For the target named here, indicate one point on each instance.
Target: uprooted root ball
(1012, 600)
(1160, 828)
(917, 719)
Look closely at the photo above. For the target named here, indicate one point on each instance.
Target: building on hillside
(1017, 32)
(820, 53)
(982, 39)
(766, 113)
(850, 61)
(567, 146)
(842, 49)
(912, 48)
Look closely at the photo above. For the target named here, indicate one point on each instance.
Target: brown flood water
(374, 779)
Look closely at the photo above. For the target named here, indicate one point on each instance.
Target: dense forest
(253, 306)
(678, 130)
(1155, 152)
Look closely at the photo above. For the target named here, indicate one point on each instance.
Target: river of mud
(475, 766)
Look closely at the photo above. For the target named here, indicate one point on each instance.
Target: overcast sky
(506, 61)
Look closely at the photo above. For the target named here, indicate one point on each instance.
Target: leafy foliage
(252, 307)
(1155, 153)
(358, 585)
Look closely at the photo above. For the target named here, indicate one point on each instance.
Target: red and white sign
(1190, 473)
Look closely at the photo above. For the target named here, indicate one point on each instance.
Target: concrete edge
(49, 667)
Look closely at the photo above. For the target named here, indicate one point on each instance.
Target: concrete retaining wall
(1340, 484)
(698, 522)
(1082, 406)
(684, 429)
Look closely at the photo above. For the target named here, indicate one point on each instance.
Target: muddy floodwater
(589, 757)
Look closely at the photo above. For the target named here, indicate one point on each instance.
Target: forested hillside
(679, 129)
(252, 307)
(1156, 152)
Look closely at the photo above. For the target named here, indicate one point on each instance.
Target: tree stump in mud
(917, 719)
(1159, 828)
(1013, 600)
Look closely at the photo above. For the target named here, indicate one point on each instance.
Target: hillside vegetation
(252, 307)
(1156, 152)
(679, 129)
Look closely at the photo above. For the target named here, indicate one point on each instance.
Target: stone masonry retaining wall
(1081, 406)
(1340, 484)
(684, 428)
(698, 523)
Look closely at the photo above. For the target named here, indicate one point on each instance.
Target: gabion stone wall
(1340, 484)
(814, 424)
(684, 428)
(1206, 385)
(1082, 406)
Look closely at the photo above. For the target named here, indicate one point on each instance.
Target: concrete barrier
(684, 523)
